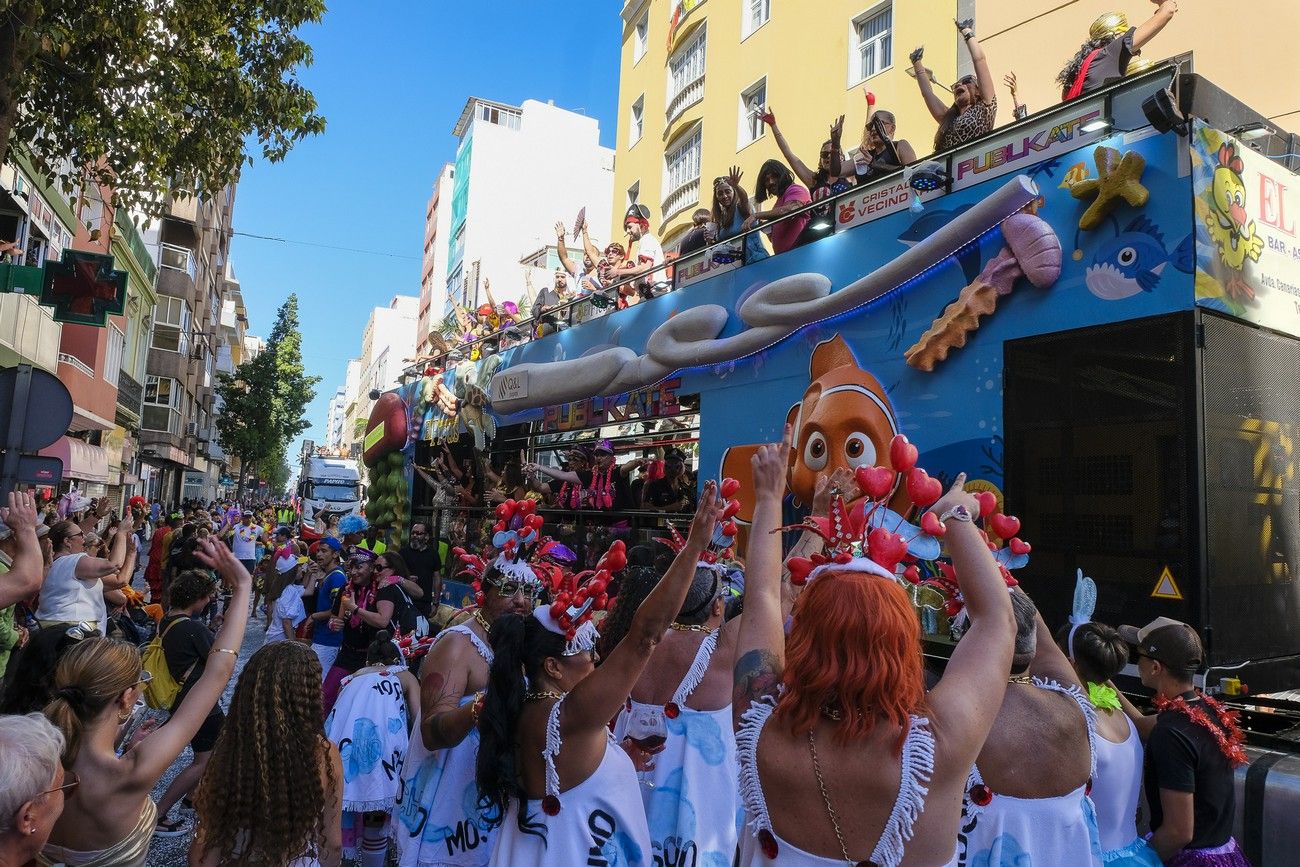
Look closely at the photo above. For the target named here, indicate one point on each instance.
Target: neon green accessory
(1103, 697)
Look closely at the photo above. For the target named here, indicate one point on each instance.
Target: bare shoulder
(757, 674)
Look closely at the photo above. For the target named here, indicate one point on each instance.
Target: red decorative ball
(551, 805)
(981, 795)
(557, 609)
(729, 488)
(671, 710)
(767, 843)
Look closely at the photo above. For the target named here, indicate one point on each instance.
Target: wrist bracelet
(214, 651)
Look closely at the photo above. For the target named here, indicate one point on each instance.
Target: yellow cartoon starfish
(1118, 177)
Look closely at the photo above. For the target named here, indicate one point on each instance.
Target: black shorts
(206, 737)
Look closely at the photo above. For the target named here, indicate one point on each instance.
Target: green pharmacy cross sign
(83, 288)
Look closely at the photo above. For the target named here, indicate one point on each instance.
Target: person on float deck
(1098, 653)
(438, 821)
(974, 99)
(1193, 746)
(857, 760)
(1037, 808)
(692, 805)
(547, 761)
(1112, 51)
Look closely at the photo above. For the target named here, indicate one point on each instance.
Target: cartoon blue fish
(1134, 260)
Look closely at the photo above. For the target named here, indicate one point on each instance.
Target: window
(113, 358)
(756, 14)
(686, 67)
(872, 46)
(640, 37)
(500, 115)
(171, 329)
(633, 193)
(162, 403)
(682, 164)
(752, 101)
(636, 126)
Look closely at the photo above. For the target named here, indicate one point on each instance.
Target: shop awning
(80, 460)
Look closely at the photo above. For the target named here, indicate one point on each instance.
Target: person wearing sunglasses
(110, 816)
(975, 103)
(444, 743)
(75, 586)
(33, 785)
(366, 605)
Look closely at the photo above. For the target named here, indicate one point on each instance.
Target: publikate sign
(1057, 133)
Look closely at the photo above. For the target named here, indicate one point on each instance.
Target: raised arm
(760, 646)
(801, 171)
(597, 697)
(563, 253)
(1147, 30)
(559, 475)
(936, 105)
(588, 247)
(742, 197)
(967, 699)
(122, 556)
(982, 75)
(834, 166)
(156, 753)
(24, 577)
(1048, 660)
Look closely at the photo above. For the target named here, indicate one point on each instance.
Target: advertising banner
(1247, 249)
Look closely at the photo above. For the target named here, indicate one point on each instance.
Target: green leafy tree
(151, 97)
(264, 400)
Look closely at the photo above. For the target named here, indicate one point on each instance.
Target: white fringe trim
(698, 669)
(1089, 715)
(377, 805)
(552, 749)
(751, 788)
(463, 629)
(915, 771)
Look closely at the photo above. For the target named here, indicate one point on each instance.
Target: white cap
(285, 563)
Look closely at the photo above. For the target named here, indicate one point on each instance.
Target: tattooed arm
(760, 649)
(444, 721)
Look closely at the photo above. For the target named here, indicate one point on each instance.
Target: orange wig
(854, 645)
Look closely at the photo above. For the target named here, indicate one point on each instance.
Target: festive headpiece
(484, 311)
(353, 524)
(579, 596)
(724, 532)
(604, 447)
(524, 552)
(1085, 602)
(638, 214)
(1110, 24)
(137, 502)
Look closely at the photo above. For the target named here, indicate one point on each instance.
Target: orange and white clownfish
(845, 419)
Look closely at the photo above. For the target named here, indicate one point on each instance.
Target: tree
(150, 97)
(264, 400)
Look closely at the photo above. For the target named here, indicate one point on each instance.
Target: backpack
(405, 615)
(161, 690)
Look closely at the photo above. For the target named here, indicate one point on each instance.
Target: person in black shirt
(1112, 44)
(366, 606)
(421, 557)
(674, 492)
(186, 643)
(1192, 747)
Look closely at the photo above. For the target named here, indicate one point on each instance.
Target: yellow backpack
(162, 688)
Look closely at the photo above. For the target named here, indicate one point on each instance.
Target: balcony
(680, 199)
(177, 275)
(130, 394)
(691, 93)
(182, 206)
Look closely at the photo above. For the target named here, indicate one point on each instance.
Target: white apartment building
(518, 170)
(389, 338)
(334, 421)
(433, 264)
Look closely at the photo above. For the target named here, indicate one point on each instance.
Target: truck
(328, 486)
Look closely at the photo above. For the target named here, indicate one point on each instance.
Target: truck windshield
(332, 490)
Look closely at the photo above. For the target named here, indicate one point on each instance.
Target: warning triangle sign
(1166, 588)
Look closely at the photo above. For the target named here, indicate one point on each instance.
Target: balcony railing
(685, 98)
(681, 198)
(76, 363)
(176, 258)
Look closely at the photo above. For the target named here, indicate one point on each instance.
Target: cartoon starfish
(1118, 177)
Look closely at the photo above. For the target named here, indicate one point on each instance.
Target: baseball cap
(284, 564)
(1170, 642)
(246, 514)
(333, 544)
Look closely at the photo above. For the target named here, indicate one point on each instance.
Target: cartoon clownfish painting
(845, 420)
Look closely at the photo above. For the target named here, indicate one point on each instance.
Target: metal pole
(17, 422)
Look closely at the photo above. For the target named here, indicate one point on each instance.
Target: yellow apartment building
(695, 72)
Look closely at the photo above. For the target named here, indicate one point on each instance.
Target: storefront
(85, 466)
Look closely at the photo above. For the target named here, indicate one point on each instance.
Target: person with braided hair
(273, 790)
(109, 818)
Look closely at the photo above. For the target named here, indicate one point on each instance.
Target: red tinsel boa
(1227, 733)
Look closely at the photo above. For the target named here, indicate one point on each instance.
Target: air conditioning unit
(192, 429)
(205, 435)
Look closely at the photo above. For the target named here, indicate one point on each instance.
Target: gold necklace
(1020, 678)
(826, 799)
(546, 693)
(482, 621)
(687, 627)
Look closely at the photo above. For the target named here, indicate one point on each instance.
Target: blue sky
(391, 79)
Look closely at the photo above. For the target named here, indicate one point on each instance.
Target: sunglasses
(591, 654)
(965, 79)
(70, 782)
(82, 630)
(146, 677)
(511, 588)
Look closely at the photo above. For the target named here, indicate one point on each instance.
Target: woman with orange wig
(863, 763)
